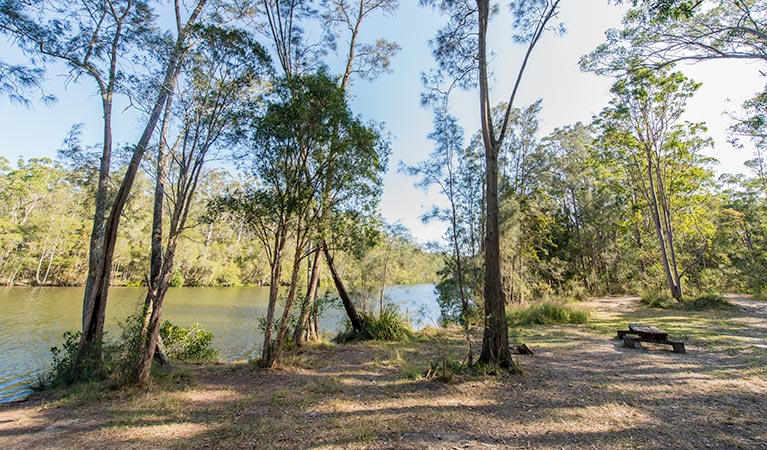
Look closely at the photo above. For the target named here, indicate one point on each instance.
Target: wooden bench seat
(639, 332)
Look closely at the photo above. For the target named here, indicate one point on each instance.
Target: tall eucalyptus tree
(95, 39)
(461, 49)
(660, 154)
(284, 23)
(216, 83)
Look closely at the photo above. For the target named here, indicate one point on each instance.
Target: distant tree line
(44, 228)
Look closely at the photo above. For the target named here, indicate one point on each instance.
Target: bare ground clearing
(580, 390)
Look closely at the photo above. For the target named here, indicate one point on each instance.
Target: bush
(575, 291)
(701, 303)
(176, 279)
(658, 300)
(389, 326)
(547, 313)
(63, 358)
(129, 349)
(192, 343)
(708, 302)
(115, 361)
(62, 372)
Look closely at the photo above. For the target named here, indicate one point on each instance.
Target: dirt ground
(580, 390)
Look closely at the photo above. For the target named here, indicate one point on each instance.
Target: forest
(252, 168)
(46, 205)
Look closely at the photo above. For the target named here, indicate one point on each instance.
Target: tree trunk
(42, 256)
(291, 296)
(675, 289)
(144, 351)
(92, 320)
(208, 239)
(315, 332)
(97, 289)
(495, 341)
(93, 307)
(303, 332)
(383, 283)
(266, 351)
(155, 317)
(50, 262)
(160, 354)
(267, 355)
(351, 311)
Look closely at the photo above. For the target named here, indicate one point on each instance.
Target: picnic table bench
(639, 332)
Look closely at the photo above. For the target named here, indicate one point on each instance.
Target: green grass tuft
(389, 326)
(546, 313)
(660, 300)
(702, 303)
(708, 302)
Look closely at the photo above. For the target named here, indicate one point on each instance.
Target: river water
(32, 321)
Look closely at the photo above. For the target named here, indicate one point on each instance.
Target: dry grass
(580, 390)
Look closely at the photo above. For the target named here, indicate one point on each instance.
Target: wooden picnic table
(640, 332)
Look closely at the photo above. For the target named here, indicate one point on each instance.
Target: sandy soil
(580, 390)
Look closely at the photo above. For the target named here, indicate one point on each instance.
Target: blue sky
(568, 94)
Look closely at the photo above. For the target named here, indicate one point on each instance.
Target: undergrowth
(660, 300)
(546, 313)
(701, 303)
(188, 344)
(107, 363)
(390, 325)
(708, 302)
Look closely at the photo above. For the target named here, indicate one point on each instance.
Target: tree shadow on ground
(579, 390)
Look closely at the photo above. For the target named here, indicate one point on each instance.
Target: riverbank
(580, 390)
(32, 321)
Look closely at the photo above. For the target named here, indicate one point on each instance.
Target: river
(32, 321)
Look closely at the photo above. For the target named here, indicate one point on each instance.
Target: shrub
(176, 279)
(658, 300)
(115, 361)
(62, 372)
(546, 313)
(388, 326)
(63, 358)
(129, 349)
(192, 343)
(701, 303)
(708, 302)
(575, 291)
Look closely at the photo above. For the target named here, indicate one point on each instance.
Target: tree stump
(523, 349)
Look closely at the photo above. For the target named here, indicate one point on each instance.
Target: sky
(393, 99)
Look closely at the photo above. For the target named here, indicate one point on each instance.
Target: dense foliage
(182, 344)
(44, 227)
(547, 313)
(577, 216)
(193, 343)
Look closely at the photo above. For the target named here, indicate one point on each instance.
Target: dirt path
(749, 305)
(580, 390)
(745, 327)
(611, 305)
